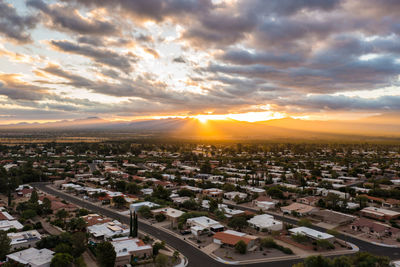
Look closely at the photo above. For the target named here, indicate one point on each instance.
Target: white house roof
(22, 237)
(32, 256)
(205, 222)
(124, 245)
(263, 221)
(108, 229)
(311, 233)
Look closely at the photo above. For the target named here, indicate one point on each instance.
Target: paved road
(196, 257)
(393, 253)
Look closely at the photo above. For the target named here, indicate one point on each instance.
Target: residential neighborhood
(238, 203)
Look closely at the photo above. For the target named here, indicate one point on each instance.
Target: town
(155, 204)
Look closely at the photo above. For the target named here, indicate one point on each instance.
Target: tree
(4, 245)
(161, 260)
(79, 243)
(275, 192)
(145, 212)
(62, 214)
(119, 201)
(157, 246)
(63, 248)
(190, 204)
(213, 205)
(105, 254)
(47, 206)
(135, 225)
(160, 217)
(241, 247)
(206, 167)
(333, 199)
(28, 214)
(238, 222)
(120, 185)
(161, 193)
(34, 197)
(62, 260)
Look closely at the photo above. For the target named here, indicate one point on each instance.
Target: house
(380, 214)
(231, 238)
(265, 222)
(377, 229)
(310, 200)
(199, 224)
(92, 219)
(108, 230)
(24, 239)
(32, 257)
(8, 222)
(171, 214)
(298, 208)
(311, 233)
(138, 205)
(213, 192)
(391, 203)
(235, 195)
(127, 248)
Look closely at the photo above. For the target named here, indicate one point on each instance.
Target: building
(311, 233)
(230, 238)
(24, 239)
(92, 219)
(199, 225)
(138, 205)
(127, 248)
(213, 192)
(265, 222)
(108, 230)
(32, 257)
(301, 209)
(8, 222)
(377, 229)
(171, 214)
(235, 195)
(380, 214)
(310, 200)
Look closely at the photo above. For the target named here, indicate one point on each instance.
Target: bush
(160, 217)
(304, 222)
(299, 238)
(270, 243)
(325, 244)
(241, 247)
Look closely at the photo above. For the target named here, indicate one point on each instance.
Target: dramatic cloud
(64, 18)
(99, 55)
(13, 25)
(124, 58)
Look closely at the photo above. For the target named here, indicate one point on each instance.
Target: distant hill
(375, 126)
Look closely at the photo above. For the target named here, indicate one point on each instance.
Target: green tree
(238, 222)
(61, 260)
(161, 260)
(145, 212)
(47, 206)
(4, 244)
(79, 243)
(119, 201)
(161, 193)
(105, 254)
(213, 205)
(157, 246)
(34, 197)
(241, 247)
(28, 214)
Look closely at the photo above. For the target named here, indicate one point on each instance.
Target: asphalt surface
(196, 257)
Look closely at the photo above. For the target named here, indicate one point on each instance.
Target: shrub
(241, 247)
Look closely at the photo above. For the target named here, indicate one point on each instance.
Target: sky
(248, 60)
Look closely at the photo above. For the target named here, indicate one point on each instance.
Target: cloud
(15, 89)
(15, 26)
(65, 18)
(99, 55)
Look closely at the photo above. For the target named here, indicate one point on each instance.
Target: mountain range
(383, 126)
